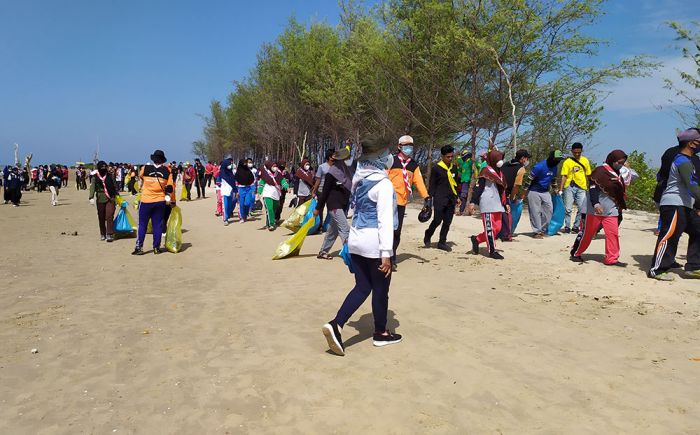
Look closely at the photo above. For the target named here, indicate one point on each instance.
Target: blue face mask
(407, 149)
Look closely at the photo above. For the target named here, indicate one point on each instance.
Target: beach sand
(220, 339)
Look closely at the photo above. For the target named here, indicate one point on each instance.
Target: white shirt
(375, 242)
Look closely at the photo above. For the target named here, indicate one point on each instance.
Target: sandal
(324, 256)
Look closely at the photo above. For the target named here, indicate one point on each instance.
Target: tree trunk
(472, 182)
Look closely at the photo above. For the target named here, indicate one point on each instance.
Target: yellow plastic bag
(292, 245)
(173, 234)
(293, 222)
(137, 200)
(183, 193)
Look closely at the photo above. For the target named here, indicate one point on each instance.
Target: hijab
(608, 179)
(244, 176)
(104, 180)
(491, 171)
(303, 174)
(226, 174)
(273, 179)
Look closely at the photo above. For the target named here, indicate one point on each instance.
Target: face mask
(407, 149)
(499, 164)
(102, 171)
(527, 162)
(250, 165)
(230, 167)
(307, 167)
(274, 170)
(617, 166)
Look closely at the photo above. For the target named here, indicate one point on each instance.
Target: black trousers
(401, 209)
(207, 179)
(199, 184)
(443, 214)
(676, 220)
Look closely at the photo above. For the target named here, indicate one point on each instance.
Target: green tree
(689, 87)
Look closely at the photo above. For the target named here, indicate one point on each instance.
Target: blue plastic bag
(327, 222)
(121, 222)
(310, 215)
(516, 211)
(345, 255)
(557, 220)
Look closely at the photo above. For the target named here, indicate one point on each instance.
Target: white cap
(404, 140)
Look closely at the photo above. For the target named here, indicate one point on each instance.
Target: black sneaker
(576, 259)
(575, 230)
(137, 251)
(475, 245)
(675, 265)
(444, 247)
(618, 264)
(110, 238)
(380, 340)
(426, 241)
(566, 230)
(496, 256)
(157, 251)
(332, 333)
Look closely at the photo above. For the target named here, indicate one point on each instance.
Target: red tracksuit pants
(492, 226)
(612, 239)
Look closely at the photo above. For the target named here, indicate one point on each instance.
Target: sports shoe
(538, 236)
(475, 245)
(675, 265)
(225, 223)
(331, 331)
(103, 238)
(137, 251)
(575, 230)
(157, 251)
(663, 276)
(692, 274)
(618, 264)
(496, 256)
(576, 259)
(566, 230)
(380, 340)
(110, 238)
(444, 247)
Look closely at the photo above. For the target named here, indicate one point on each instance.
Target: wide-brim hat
(374, 146)
(341, 153)
(158, 155)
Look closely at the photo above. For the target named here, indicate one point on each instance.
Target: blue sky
(136, 74)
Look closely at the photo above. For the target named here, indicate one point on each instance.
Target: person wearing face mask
(443, 189)
(513, 173)
(188, 176)
(606, 200)
(321, 177)
(680, 211)
(157, 193)
(490, 195)
(370, 244)
(103, 191)
(573, 185)
(245, 183)
(282, 168)
(305, 175)
(270, 189)
(227, 189)
(405, 175)
(336, 196)
(540, 181)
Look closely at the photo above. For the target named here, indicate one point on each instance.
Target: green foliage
(689, 89)
(640, 192)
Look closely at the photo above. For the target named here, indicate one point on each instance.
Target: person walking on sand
(490, 195)
(606, 200)
(680, 210)
(443, 189)
(199, 178)
(270, 190)
(541, 179)
(227, 190)
(53, 180)
(157, 189)
(245, 182)
(13, 186)
(573, 185)
(513, 173)
(305, 175)
(465, 168)
(188, 177)
(103, 191)
(335, 195)
(370, 244)
(405, 174)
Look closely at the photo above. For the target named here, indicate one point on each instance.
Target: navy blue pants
(153, 211)
(368, 279)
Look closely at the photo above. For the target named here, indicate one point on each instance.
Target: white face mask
(527, 162)
(499, 164)
(250, 165)
(274, 170)
(230, 167)
(307, 167)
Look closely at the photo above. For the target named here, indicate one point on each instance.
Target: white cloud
(645, 94)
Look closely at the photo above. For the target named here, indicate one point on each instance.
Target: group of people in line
(17, 179)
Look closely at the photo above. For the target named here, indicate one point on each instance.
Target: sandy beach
(220, 339)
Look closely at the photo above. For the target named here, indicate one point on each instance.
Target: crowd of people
(376, 189)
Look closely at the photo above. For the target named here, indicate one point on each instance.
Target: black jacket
(334, 195)
(439, 187)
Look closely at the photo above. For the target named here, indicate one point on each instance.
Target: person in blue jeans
(245, 183)
(573, 186)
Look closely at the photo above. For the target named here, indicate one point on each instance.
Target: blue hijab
(227, 174)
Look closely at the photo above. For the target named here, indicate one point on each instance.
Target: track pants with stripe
(492, 225)
(676, 220)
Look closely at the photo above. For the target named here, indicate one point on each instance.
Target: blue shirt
(542, 177)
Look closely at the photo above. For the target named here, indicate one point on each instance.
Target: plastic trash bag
(557, 220)
(121, 222)
(137, 200)
(327, 222)
(296, 218)
(345, 255)
(310, 216)
(183, 193)
(426, 212)
(516, 211)
(173, 233)
(292, 245)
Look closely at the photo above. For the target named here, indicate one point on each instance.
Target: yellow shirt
(574, 172)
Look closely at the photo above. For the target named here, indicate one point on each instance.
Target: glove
(92, 201)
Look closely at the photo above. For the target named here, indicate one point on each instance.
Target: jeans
(573, 194)
(338, 227)
(401, 210)
(246, 198)
(444, 213)
(153, 211)
(541, 209)
(368, 279)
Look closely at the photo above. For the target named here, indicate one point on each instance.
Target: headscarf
(609, 180)
(244, 176)
(269, 177)
(341, 172)
(303, 174)
(226, 174)
(105, 180)
(491, 171)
